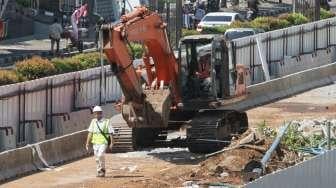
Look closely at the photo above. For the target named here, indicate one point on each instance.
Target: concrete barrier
(270, 91)
(30, 158)
(17, 162)
(7, 140)
(64, 148)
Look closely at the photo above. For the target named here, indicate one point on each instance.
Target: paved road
(26, 45)
(169, 167)
(16, 49)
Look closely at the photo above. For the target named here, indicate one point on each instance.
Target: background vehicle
(218, 19)
(236, 33)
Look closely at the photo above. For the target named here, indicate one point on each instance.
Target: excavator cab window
(206, 72)
(222, 79)
(195, 68)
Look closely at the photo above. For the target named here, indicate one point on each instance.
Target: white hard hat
(97, 109)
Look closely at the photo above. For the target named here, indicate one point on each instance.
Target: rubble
(309, 137)
(316, 127)
(227, 165)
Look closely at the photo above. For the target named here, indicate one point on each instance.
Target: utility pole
(317, 10)
(223, 4)
(123, 9)
(91, 11)
(179, 18)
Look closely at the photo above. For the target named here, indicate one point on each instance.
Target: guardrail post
(263, 60)
(328, 135)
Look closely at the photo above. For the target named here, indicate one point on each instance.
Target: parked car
(214, 19)
(236, 33)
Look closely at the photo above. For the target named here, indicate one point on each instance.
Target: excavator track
(211, 130)
(123, 140)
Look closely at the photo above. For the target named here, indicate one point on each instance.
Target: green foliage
(34, 68)
(77, 62)
(64, 65)
(23, 3)
(265, 130)
(284, 16)
(262, 23)
(187, 32)
(137, 49)
(215, 30)
(240, 24)
(8, 77)
(282, 24)
(276, 23)
(87, 60)
(37, 67)
(324, 14)
(297, 19)
(293, 139)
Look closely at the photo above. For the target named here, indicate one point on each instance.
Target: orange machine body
(147, 28)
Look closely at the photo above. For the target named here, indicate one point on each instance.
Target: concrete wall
(79, 120)
(34, 157)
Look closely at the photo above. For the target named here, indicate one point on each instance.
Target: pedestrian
(253, 10)
(199, 14)
(55, 31)
(100, 135)
(185, 16)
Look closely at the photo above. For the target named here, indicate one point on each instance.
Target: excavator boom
(145, 105)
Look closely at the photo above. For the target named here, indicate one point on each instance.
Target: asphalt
(17, 49)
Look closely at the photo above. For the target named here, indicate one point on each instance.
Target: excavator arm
(144, 105)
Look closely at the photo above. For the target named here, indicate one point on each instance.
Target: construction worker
(55, 31)
(100, 131)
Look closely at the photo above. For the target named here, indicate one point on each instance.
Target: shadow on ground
(179, 157)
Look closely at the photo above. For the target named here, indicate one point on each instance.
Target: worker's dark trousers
(53, 41)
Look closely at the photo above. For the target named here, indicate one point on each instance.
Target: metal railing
(35, 103)
(287, 50)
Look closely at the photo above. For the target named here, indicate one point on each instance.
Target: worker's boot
(101, 173)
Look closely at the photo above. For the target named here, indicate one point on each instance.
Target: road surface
(171, 167)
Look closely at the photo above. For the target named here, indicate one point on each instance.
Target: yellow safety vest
(97, 137)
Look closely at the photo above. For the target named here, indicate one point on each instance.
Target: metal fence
(309, 8)
(35, 103)
(287, 50)
(317, 172)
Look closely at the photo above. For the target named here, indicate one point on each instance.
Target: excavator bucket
(153, 113)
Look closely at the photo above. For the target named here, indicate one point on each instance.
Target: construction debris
(311, 137)
(254, 169)
(227, 166)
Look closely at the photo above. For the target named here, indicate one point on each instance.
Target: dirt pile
(227, 167)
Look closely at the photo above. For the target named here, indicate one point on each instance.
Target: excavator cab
(195, 67)
(206, 73)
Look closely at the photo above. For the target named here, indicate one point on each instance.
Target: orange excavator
(175, 93)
